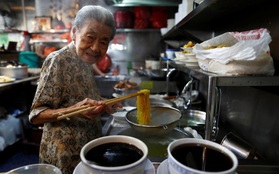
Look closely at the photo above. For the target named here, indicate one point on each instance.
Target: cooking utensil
(162, 120)
(238, 146)
(17, 71)
(192, 118)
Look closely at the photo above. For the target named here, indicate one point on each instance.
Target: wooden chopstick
(78, 110)
(75, 112)
(70, 110)
(118, 99)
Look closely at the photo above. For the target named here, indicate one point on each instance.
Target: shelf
(10, 31)
(130, 30)
(48, 41)
(134, 3)
(28, 79)
(52, 31)
(213, 17)
(222, 80)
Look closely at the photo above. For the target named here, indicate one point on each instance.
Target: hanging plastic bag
(237, 53)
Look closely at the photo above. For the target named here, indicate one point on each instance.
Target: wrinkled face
(91, 41)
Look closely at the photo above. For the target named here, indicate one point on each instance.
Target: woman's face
(92, 41)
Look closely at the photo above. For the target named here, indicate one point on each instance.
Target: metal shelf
(223, 80)
(127, 30)
(213, 17)
(48, 41)
(51, 31)
(134, 3)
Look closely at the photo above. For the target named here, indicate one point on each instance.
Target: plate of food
(6, 79)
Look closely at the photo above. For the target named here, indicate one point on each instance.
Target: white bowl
(178, 54)
(164, 31)
(187, 49)
(223, 157)
(191, 64)
(136, 167)
(189, 56)
(35, 169)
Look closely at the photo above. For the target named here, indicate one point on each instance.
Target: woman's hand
(100, 107)
(110, 109)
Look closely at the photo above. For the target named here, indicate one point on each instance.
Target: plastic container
(170, 53)
(29, 58)
(124, 19)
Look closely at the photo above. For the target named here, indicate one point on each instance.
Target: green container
(29, 58)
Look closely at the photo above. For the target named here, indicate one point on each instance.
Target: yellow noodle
(143, 107)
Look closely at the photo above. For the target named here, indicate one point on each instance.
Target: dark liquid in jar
(114, 154)
(191, 155)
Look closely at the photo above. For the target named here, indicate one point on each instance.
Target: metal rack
(213, 98)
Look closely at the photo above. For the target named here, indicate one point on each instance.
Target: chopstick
(70, 110)
(75, 112)
(118, 99)
(78, 110)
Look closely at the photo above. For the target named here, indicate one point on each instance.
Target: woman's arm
(97, 70)
(49, 115)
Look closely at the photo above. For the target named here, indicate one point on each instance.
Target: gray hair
(97, 13)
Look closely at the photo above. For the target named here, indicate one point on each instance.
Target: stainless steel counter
(28, 79)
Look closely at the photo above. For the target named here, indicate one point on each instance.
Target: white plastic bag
(248, 53)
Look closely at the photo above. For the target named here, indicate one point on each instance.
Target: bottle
(129, 67)
(115, 70)
(25, 46)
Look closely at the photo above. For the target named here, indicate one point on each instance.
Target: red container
(124, 19)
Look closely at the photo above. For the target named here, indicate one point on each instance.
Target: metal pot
(192, 118)
(163, 120)
(17, 71)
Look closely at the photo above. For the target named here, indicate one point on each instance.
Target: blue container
(29, 58)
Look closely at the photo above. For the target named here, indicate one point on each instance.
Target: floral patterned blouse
(65, 80)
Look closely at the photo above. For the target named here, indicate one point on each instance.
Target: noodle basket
(162, 120)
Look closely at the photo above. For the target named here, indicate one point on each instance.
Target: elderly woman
(66, 82)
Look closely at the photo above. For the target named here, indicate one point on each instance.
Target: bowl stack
(186, 57)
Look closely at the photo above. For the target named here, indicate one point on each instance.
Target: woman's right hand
(98, 110)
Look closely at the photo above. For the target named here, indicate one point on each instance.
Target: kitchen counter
(28, 79)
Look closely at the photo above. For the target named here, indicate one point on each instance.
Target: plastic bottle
(129, 67)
